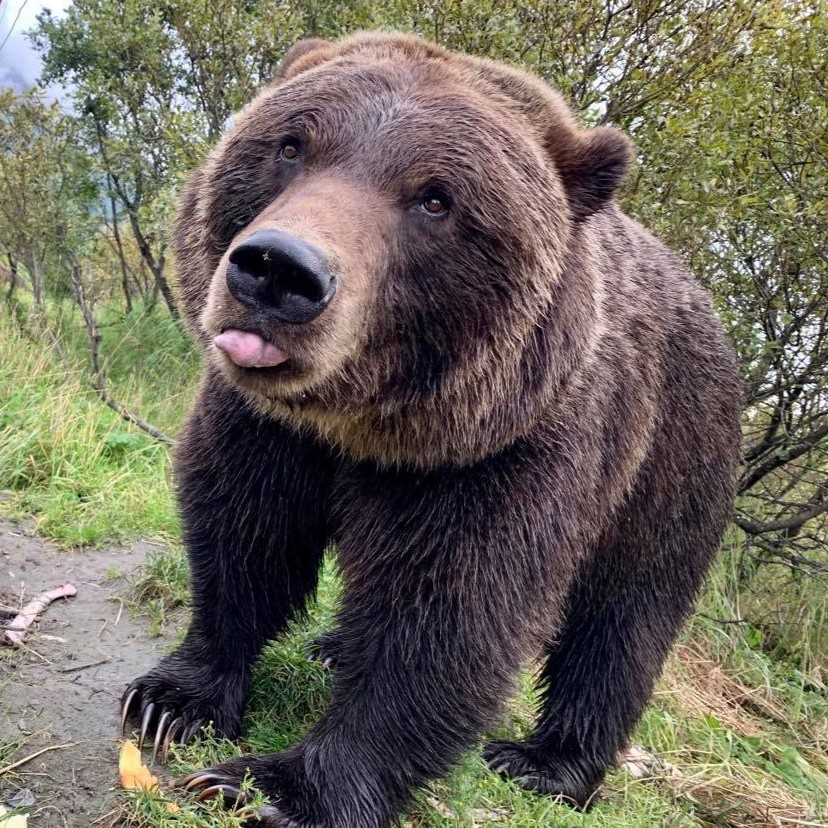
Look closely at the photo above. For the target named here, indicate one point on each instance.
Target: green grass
(739, 722)
(84, 474)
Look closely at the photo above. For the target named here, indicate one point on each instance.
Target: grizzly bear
(434, 343)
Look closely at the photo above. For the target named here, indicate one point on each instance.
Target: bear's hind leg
(623, 614)
(253, 498)
(325, 648)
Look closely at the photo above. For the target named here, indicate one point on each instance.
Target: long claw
(125, 709)
(194, 780)
(312, 650)
(174, 727)
(227, 791)
(159, 733)
(190, 732)
(145, 721)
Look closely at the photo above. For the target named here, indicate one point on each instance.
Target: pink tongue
(249, 350)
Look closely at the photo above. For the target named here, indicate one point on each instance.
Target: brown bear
(432, 340)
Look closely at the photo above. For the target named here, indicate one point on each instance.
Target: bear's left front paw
(231, 781)
(533, 769)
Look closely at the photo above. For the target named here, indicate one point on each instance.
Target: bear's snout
(282, 275)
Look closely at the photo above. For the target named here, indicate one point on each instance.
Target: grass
(737, 731)
(84, 475)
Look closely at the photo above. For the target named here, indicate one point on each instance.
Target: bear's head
(387, 247)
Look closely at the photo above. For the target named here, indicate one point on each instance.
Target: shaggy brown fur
(517, 418)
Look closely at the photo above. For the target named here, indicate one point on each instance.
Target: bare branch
(98, 381)
(784, 456)
(787, 524)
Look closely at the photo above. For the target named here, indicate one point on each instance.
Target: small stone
(24, 798)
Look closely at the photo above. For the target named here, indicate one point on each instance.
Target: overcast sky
(19, 63)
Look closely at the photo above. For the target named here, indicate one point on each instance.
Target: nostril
(283, 273)
(252, 259)
(300, 281)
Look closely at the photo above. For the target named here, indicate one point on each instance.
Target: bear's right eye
(434, 206)
(290, 151)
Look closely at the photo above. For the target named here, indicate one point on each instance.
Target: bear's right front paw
(212, 783)
(178, 698)
(235, 782)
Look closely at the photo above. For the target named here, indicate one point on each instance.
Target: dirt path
(51, 696)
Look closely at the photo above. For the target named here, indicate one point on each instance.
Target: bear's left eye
(290, 151)
(435, 204)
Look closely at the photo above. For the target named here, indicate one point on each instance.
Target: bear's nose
(281, 273)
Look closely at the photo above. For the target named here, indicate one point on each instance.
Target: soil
(66, 686)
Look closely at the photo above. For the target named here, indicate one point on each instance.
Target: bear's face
(377, 238)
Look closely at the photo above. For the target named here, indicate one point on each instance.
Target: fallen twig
(34, 755)
(85, 666)
(17, 628)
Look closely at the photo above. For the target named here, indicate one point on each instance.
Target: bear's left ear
(304, 55)
(592, 164)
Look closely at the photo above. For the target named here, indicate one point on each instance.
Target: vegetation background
(727, 101)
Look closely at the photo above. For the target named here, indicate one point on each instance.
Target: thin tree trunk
(149, 290)
(132, 204)
(35, 269)
(13, 277)
(156, 266)
(116, 232)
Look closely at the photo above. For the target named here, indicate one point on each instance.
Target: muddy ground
(66, 687)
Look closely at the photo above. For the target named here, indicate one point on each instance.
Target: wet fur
(534, 451)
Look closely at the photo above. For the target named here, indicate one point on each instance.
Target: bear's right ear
(592, 164)
(304, 55)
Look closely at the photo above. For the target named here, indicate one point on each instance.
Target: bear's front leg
(253, 497)
(413, 688)
(447, 589)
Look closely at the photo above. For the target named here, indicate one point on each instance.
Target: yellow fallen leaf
(134, 774)
(16, 821)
